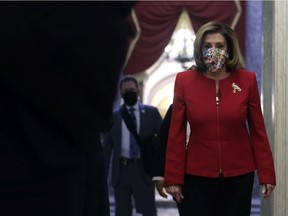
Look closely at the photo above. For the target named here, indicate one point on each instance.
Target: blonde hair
(235, 59)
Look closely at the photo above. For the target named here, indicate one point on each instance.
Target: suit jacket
(219, 138)
(162, 143)
(150, 121)
(55, 69)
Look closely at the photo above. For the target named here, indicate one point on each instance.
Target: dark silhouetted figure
(60, 64)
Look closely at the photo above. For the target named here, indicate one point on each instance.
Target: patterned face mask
(215, 58)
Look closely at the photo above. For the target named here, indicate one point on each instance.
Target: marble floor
(172, 211)
(168, 208)
(162, 212)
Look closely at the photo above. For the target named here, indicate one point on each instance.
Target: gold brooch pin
(236, 88)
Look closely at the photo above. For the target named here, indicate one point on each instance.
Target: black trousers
(205, 196)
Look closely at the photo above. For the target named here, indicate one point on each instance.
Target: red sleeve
(176, 147)
(261, 147)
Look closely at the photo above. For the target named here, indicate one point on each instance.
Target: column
(275, 92)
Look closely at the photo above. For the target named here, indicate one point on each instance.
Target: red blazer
(219, 138)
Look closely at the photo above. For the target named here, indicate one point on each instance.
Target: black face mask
(130, 98)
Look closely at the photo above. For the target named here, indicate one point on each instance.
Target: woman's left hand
(267, 190)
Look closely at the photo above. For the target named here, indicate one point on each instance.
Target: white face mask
(215, 58)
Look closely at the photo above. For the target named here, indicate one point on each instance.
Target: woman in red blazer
(212, 173)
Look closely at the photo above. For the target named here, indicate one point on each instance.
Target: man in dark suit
(161, 153)
(129, 178)
(161, 157)
(57, 59)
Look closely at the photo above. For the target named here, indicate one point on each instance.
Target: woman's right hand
(175, 191)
